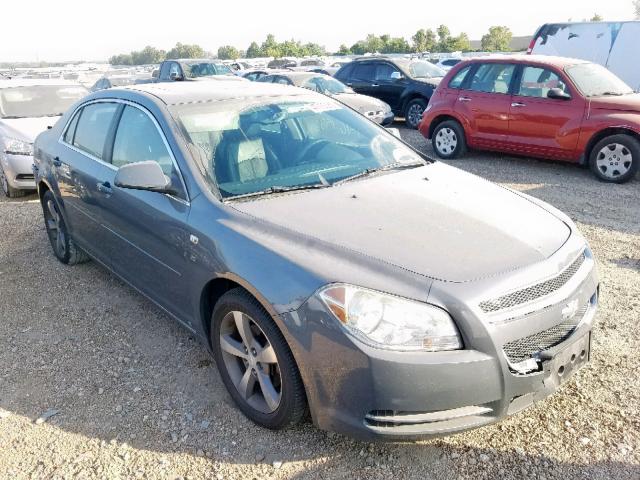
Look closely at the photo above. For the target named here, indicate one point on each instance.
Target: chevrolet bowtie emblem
(570, 310)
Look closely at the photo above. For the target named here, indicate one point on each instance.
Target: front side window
(459, 78)
(247, 146)
(492, 78)
(93, 127)
(537, 81)
(38, 100)
(137, 140)
(384, 71)
(174, 69)
(365, 72)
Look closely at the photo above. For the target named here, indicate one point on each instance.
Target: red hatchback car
(546, 107)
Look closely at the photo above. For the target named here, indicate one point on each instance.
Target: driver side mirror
(396, 75)
(175, 76)
(558, 94)
(146, 175)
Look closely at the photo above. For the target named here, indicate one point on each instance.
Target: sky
(63, 30)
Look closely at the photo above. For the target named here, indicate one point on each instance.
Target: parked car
(27, 107)
(610, 44)
(326, 264)
(258, 73)
(447, 63)
(193, 69)
(282, 63)
(119, 81)
(406, 85)
(370, 107)
(547, 107)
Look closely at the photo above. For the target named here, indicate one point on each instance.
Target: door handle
(518, 105)
(375, 85)
(464, 99)
(104, 187)
(57, 162)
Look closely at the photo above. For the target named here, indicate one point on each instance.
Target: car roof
(558, 62)
(175, 93)
(31, 82)
(299, 76)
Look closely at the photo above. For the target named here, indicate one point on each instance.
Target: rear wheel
(448, 140)
(62, 244)
(255, 362)
(413, 112)
(7, 189)
(615, 158)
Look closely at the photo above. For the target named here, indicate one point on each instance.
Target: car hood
(362, 103)
(434, 82)
(435, 220)
(626, 103)
(26, 129)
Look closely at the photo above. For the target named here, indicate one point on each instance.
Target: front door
(542, 126)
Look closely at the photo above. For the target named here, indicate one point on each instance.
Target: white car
(448, 63)
(28, 107)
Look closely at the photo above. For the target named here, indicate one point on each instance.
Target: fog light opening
(561, 370)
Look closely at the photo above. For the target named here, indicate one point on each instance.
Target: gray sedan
(370, 107)
(328, 267)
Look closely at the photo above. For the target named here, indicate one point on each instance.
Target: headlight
(395, 323)
(13, 146)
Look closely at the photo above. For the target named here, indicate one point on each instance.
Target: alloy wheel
(614, 160)
(251, 362)
(446, 141)
(414, 114)
(55, 228)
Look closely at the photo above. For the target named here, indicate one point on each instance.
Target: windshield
(38, 100)
(205, 69)
(247, 146)
(327, 85)
(594, 80)
(422, 69)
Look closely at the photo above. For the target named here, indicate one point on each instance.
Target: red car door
(484, 104)
(542, 126)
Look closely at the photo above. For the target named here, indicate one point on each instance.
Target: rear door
(149, 228)
(484, 102)
(79, 168)
(543, 126)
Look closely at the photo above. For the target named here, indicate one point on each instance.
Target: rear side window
(492, 78)
(93, 127)
(138, 140)
(71, 129)
(459, 78)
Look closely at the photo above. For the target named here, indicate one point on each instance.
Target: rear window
(93, 127)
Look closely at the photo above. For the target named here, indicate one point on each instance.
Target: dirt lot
(137, 397)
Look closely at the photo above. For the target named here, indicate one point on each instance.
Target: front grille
(533, 292)
(525, 348)
(25, 176)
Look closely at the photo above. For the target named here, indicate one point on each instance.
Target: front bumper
(18, 171)
(371, 393)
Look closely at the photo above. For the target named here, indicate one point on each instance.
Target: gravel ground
(135, 396)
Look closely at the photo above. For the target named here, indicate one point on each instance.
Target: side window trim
(111, 138)
(74, 118)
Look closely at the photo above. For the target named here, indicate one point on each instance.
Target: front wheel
(255, 362)
(448, 140)
(413, 112)
(64, 248)
(615, 159)
(7, 189)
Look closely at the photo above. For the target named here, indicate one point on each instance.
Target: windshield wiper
(369, 171)
(611, 94)
(278, 189)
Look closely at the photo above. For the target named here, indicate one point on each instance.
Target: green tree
(596, 18)
(497, 40)
(460, 43)
(344, 50)
(186, 51)
(270, 47)
(147, 56)
(444, 39)
(122, 59)
(424, 41)
(254, 51)
(313, 49)
(227, 52)
(636, 8)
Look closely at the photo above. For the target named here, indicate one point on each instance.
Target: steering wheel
(311, 149)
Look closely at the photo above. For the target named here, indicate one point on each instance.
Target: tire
(7, 189)
(448, 140)
(413, 112)
(241, 369)
(64, 248)
(615, 159)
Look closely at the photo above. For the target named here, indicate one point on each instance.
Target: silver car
(28, 107)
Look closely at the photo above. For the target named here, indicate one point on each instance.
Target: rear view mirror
(175, 76)
(143, 176)
(558, 94)
(395, 132)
